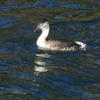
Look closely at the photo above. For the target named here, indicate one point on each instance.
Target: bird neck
(42, 38)
(44, 34)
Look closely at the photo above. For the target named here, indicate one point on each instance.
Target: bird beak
(36, 29)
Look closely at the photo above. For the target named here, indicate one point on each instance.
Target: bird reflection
(40, 63)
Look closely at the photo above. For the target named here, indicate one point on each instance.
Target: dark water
(29, 73)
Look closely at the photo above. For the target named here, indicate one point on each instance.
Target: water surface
(30, 73)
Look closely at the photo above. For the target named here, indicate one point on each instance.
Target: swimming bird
(60, 44)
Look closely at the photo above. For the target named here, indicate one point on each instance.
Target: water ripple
(28, 72)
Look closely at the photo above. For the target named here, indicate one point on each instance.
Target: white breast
(40, 43)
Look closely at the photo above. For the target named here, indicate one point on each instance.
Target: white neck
(41, 41)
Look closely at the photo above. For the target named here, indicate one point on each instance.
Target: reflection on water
(31, 73)
(40, 69)
(41, 63)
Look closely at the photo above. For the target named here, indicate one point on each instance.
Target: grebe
(56, 44)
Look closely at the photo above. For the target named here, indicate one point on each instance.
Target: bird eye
(41, 24)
